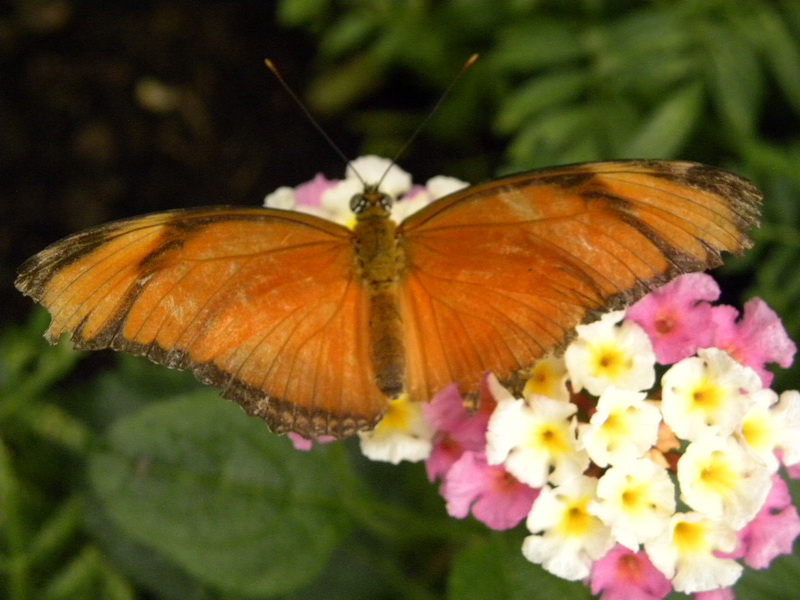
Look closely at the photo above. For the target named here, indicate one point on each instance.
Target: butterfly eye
(358, 203)
(386, 202)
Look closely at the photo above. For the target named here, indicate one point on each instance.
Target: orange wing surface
(265, 304)
(499, 274)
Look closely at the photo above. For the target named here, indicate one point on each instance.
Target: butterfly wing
(262, 303)
(499, 274)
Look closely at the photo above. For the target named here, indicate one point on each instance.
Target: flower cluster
(644, 459)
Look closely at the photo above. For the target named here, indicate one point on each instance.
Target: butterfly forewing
(497, 275)
(263, 303)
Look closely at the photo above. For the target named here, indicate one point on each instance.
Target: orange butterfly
(314, 327)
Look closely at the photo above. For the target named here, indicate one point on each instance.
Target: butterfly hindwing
(262, 303)
(499, 274)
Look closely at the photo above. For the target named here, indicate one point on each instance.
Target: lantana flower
(773, 423)
(330, 199)
(626, 575)
(610, 352)
(596, 452)
(535, 439)
(720, 478)
(566, 538)
(772, 532)
(624, 427)
(548, 377)
(708, 392)
(402, 434)
(754, 340)
(492, 494)
(676, 316)
(636, 499)
(687, 553)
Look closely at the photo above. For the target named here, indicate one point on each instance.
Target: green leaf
(497, 569)
(540, 93)
(543, 140)
(782, 53)
(737, 83)
(535, 44)
(145, 566)
(666, 131)
(214, 491)
(344, 84)
(293, 14)
(349, 34)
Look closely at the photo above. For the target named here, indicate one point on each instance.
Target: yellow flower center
(757, 432)
(706, 396)
(615, 426)
(690, 538)
(397, 414)
(551, 438)
(575, 520)
(634, 498)
(540, 381)
(718, 475)
(609, 362)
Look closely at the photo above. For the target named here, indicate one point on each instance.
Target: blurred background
(110, 110)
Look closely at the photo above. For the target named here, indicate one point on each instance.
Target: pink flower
(304, 444)
(457, 430)
(677, 316)
(793, 471)
(496, 498)
(754, 340)
(309, 193)
(623, 575)
(772, 531)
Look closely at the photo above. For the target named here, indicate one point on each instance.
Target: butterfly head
(371, 202)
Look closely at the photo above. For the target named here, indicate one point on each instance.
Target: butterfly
(314, 327)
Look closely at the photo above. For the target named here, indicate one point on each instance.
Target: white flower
(282, 198)
(402, 434)
(707, 392)
(330, 199)
(722, 479)
(442, 185)
(685, 553)
(420, 196)
(374, 169)
(605, 354)
(636, 499)
(624, 427)
(534, 439)
(548, 377)
(773, 423)
(335, 202)
(567, 537)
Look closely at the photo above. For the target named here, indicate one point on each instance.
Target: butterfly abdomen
(377, 265)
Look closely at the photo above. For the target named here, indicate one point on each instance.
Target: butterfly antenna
(470, 61)
(271, 66)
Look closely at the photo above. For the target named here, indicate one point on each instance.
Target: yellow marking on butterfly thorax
(377, 256)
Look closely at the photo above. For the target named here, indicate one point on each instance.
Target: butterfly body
(379, 264)
(313, 326)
